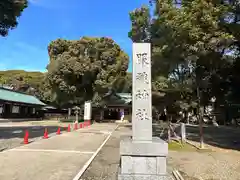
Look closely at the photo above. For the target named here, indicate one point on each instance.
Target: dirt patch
(219, 161)
(206, 165)
(221, 137)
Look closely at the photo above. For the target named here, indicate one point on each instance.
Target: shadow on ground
(19, 132)
(222, 137)
(159, 130)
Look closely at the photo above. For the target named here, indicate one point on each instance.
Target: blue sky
(45, 20)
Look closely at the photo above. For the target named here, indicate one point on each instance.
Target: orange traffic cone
(59, 131)
(87, 124)
(69, 128)
(75, 126)
(45, 136)
(80, 126)
(25, 141)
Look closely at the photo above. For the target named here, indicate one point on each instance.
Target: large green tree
(84, 69)
(32, 83)
(191, 41)
(123, 84)
(10, 10)
(20, 80)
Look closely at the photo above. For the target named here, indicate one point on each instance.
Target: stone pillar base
(142, 177)
(143, 160)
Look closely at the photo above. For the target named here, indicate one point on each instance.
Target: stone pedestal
(143, 160)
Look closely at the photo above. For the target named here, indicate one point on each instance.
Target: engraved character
(142, 59)
(141, 114)
(139, 95)
(142, 95)
(145, 94)
(142, 77)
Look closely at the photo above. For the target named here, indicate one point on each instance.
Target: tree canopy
(27, 82)
(123, 84)
(10, 10)
(84, 69)
(195, 46)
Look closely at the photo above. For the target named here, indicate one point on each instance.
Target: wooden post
(183, 132)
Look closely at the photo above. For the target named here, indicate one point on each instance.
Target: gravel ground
(105, 165)
(193, 165)
(206, 165)
(221, 160)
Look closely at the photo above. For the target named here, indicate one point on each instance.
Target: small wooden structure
(114, 104)
(15, 104)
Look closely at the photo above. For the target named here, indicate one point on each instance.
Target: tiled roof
(126, 97)
(8, 95)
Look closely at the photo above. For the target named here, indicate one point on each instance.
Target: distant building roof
(127, 97)
(9, 95)
(48, 107)
(119, 99)
(6, 86)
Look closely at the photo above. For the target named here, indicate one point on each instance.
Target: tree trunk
(200, 119)
(188, 117)
(201, 129)
(101, 115)
(169, 125)
(169, 132)
(69, 113)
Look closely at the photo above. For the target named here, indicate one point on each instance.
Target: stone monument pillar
(143, 157)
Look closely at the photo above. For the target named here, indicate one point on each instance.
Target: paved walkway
(57, 158)
(106, 165)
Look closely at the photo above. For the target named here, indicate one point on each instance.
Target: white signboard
(87, 111)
